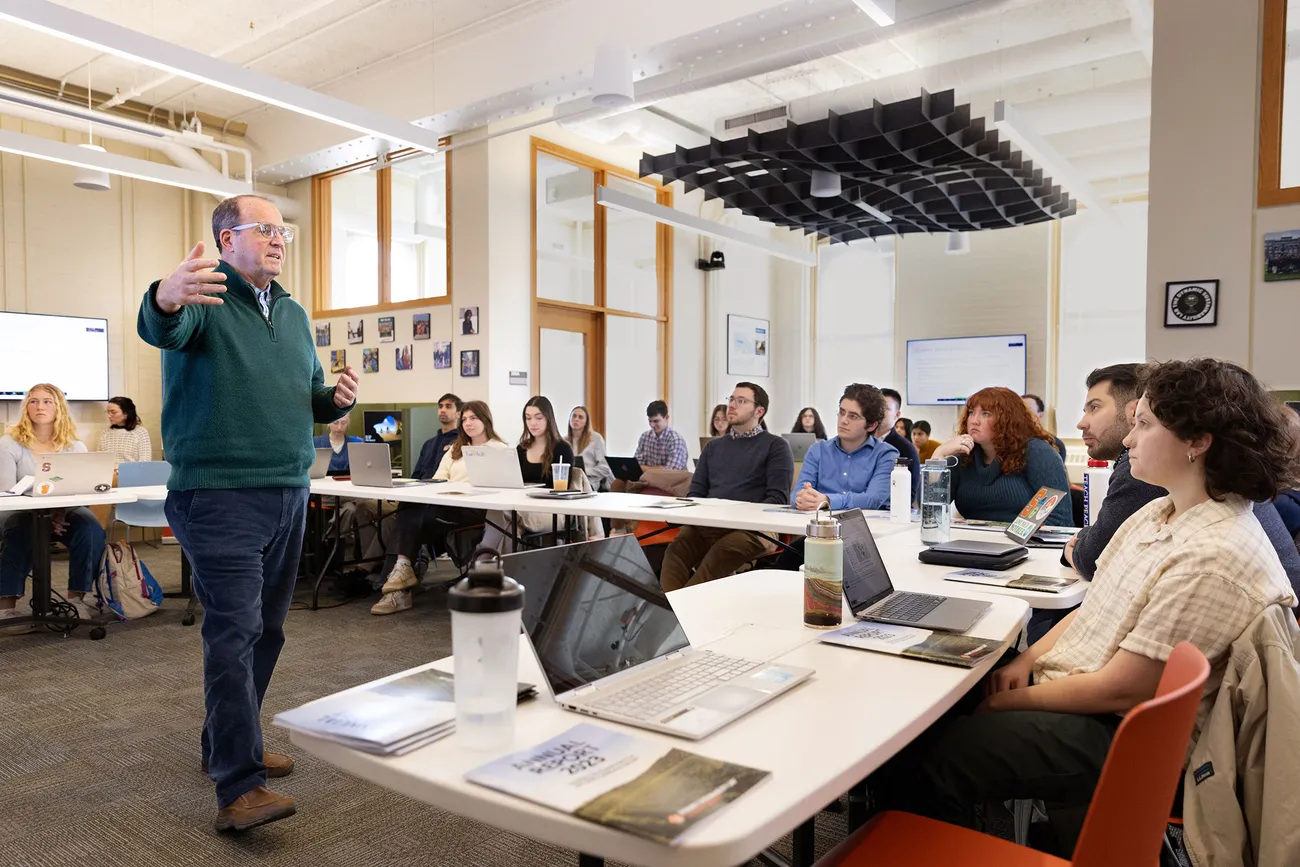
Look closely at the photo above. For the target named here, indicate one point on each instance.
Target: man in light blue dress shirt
(851, 470)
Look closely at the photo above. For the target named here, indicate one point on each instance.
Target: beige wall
(1000, 287)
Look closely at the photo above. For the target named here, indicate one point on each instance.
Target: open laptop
(610, 646)
(494, 468)
(704, 441)
(625, 469)
(799, 443)
(1029, 522)
(372, 466)
(320, 466)
(65, 474)
(871, 594)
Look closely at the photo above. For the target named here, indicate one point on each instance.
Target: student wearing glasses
(850, 471)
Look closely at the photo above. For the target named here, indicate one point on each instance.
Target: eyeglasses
(739, 401)
(268, 230)
(851, 416)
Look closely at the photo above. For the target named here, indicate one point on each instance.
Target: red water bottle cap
(1095, 463)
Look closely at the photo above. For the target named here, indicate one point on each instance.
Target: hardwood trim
(381, 308)
(1271, 100)
(591, 308)
(447, 219)
(600, 240)
(533, 325)
(384, 229)
(321, 248)
(546, 147)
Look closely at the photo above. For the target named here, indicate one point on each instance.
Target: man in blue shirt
(337, 439)
(851, 470)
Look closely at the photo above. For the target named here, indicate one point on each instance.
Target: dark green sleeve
(323, 409)
(168, 330)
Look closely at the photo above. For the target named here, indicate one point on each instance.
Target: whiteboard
(945, 372)
(66, 351)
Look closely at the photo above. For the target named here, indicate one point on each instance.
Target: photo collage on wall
(466, 323)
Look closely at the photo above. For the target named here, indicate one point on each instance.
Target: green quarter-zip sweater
(240, 391)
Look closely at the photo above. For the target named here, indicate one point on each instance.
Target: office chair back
(1130, 808)
(136, 474)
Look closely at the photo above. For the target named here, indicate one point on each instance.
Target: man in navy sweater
(887, 434)
(747, 464)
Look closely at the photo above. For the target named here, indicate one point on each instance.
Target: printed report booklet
(644, 787)
(1041, 583)
(965, 651)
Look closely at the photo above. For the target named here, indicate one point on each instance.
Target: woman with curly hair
(809, 421)
(1005, 457)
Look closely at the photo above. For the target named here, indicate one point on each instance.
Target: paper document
(1041, 583)
(945, 648)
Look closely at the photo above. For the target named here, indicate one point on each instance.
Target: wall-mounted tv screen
(68, 351)
(946, 371)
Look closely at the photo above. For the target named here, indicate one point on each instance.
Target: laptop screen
(866, 581)
(593, 609)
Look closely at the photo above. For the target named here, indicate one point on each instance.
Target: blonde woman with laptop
(45, 427)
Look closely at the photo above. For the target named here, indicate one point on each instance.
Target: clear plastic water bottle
(936, 502)
(486, 610)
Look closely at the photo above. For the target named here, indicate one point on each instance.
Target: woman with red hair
(1005, 456)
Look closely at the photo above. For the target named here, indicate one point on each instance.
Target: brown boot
(253, 808)
(276, 765)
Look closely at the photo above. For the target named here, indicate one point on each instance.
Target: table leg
(803, 843)
(590, 861)
(857, 806)
(324, 565)
(42, 528)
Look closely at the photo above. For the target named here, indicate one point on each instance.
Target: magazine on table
(965, 651)
(1040, 583)
(388, 718)
(645, 787)
(672, 503)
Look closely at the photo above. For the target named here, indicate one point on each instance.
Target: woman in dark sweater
(1005, 457)
(541, 445)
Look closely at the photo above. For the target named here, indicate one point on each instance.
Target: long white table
(818, 740)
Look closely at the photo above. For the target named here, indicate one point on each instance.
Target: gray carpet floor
(99, 749)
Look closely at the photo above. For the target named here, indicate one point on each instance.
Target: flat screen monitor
(70, 352)
(384, 426)
(946, 371)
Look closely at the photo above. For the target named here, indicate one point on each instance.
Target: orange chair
(1129, 812)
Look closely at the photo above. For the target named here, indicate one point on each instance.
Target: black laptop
(625, 469)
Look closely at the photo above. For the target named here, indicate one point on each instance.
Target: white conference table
(899, 544)
(818, 741)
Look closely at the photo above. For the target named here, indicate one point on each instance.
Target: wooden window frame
(322, 264)
(663, 270)
(1272, 91)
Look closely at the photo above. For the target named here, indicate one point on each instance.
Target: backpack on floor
(124, 585)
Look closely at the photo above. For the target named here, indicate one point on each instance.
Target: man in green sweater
(241, 388)
(747, 464)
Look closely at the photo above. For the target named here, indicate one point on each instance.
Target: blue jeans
(83, 536)
(244, 547)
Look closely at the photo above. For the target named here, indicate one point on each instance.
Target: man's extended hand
(193, 282)
(808, 499)
(345, 391)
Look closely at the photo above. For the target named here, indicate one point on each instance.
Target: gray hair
(226, 215)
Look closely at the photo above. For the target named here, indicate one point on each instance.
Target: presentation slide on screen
(68, 351)
(946, 372)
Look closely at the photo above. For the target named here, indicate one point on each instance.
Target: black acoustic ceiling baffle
(924, 162)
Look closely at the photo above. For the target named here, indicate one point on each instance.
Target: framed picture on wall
(1191, 303)
(338, 360)
(747, 345)
(469, 362)
(420, 327)
(387, 329)
(442, 355)
(323, 334)
(370, 360)
(1282, 256)
(356, 331)
(404, 357)
(469, 320)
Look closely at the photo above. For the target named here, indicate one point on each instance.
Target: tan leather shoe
(276, 765)
(253, 808)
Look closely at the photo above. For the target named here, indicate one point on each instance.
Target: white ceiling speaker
(611, 86)
(879, 11)
(91, 179)
(825, 184)
(958, 243)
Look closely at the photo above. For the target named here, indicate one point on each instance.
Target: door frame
(591, 325)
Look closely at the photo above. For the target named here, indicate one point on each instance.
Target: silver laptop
(494, 468)
(611, 647)
(73, 474)
(800, 443)
(371, 464)
(320, 466)
(871, 594)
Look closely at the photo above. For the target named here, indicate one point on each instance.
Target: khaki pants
(713, 553)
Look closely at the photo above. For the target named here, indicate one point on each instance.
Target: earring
(1190, 458)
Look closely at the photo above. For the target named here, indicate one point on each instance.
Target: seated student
(808, 422)
(1193, 565)
(748, 464)
(337, 439)
(1005, 458)
(661, 446)
(1035, 404)
(45, 427)
(903, 427)
(431, 453)
(590, 446)
(893, 410)
(126, 438)
(418, 524)
(852, 470)
(718, 421)
(921, 439)
(540, 446)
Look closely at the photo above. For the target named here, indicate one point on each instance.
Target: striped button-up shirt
(667, 449)
(264, 301)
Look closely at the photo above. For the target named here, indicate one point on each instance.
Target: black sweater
(757, 469)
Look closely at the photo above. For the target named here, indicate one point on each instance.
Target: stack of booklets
(644, 787)
(945, 648)
(390, 718)
(1040, 583)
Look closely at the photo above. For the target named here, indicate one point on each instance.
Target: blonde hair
(65, 432)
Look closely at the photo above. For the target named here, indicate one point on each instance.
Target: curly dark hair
(870, 401)
(1255, 442)
(819, 428)
(1013, 426)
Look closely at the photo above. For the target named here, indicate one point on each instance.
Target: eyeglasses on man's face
(267, 230)
(737, 400)
(851, 416)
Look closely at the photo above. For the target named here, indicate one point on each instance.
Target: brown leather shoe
(276, 765)
(255, 807)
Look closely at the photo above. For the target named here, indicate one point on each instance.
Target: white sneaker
(392, 603)
(13, 614)
(401, 578)
(85, 611)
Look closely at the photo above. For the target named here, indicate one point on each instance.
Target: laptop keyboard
(650, 697)
(908, 607)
